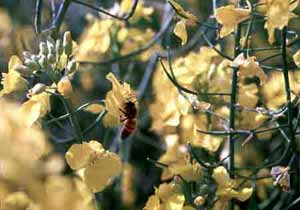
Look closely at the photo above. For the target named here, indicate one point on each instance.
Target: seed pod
(64, 87)
(23, 70)
(43, 48)
(43, 61)
(31, 64)
(37, 89)
(67, 44)
(59, 48)
(71, 67)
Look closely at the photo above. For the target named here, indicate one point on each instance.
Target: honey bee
(129, 119)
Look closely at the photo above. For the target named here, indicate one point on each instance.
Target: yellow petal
(32, 111)
(100, 172)
(126, 6)
(230, 17)
(180, 31)
(244, 194)
(296, 58)
(182, 13)
(152, 203)
(175, 202)
(13, 62)
(78, 155)
(221, 176)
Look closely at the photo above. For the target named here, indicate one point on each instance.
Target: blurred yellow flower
(12, 81)
(192, 19)
(226, 187)
(178, 161)
(249, 67)
(229, 17)
(36, 107)
(95, 40)
(278, 14)
(141, 10)
(167, 197)
(273, 91)
(100, 166)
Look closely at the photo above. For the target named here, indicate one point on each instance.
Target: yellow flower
(95, 40)
(178, 161)
(249, 67)
(248, 95)
(16, 201)
(116, 100)
(140, 12)
(12, 81)
(278, 13)
(180, 31)
(296, 58)
(229, 17)
(135, 38)
(226, 187)
(274, 94)
(99, 165)
(192, 19)
(167, 197)
(36, 107)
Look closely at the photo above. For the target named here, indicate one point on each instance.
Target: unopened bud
(51, 47)
(31, 64)
(59, 48)
(199, 200)
(72, 66)
(43, 61)
(64, 87)
(35, 58)
(43, 48)
(51, 58)
(37, 89)
(23, 70)
(26, 55)
(68, 45)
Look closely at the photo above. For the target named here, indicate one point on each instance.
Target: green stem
(287, 88)
(233, 100)
(73, 119)
(60, 17)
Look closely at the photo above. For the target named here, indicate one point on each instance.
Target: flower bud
(51, 58)
(43, 48)
(23, 70)
(43, 61)
(35, 58)
(64, 87)
(67, 44)
(51, 47)
(71, 67)
(26, 55)
(37, 89)
(59, 48)
(31, 64)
